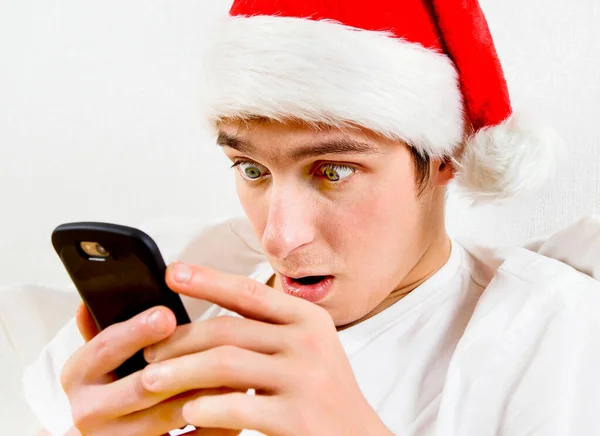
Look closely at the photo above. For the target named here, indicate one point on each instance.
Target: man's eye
(251, 170)
(336, 173)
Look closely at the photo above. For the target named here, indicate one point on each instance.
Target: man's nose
(290, 224)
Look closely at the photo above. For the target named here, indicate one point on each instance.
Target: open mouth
(311, 288)
(309, 280)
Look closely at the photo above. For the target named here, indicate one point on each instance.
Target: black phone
(118, 272)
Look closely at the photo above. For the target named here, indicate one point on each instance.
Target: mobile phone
(118, 272)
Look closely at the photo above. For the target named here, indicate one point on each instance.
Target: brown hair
(422, 168)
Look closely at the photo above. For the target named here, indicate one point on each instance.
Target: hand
(102, 405)
(286, 348)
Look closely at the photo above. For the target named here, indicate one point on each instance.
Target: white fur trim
(509, 160)
(325, 72)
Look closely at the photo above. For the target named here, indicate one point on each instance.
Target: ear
(443, 171)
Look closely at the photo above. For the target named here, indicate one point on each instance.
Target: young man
(353, 313)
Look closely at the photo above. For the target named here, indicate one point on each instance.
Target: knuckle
(219, 328)
(102, 347)
(323, 317)
(319, 319)
(70, 372)
(251, 288)
(217, 333)
(83, 413)
(139, 392)
(79, 417)
(66, 376)
(311, 342)
(315, 315)
(226, 359)
(228, 326)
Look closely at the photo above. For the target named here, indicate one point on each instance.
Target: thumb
(85, 323)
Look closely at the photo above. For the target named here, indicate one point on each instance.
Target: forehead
(261, 129)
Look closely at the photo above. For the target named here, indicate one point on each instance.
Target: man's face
(327, 202)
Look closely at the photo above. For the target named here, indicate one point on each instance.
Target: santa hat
(414, 70)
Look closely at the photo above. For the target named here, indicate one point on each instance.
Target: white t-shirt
(506, 345)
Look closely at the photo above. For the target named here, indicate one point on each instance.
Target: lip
(313, 293)
(301, 274)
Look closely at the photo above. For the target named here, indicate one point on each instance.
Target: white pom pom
(509, 160)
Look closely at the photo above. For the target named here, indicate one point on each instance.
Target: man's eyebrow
(330, 146)
(335, 146)
(226, 140)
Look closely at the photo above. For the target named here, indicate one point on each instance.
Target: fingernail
(182, 273)
(158, 321)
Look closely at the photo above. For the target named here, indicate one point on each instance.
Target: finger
(223, 366)
(157, 420)
(240, 294)
(85, 323)
(117, 343)
(119, 398)
(161, 418)
(211, 333)
(238, 411)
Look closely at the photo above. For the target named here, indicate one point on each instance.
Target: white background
(99, 119)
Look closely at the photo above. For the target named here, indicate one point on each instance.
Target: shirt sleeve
(41, 381)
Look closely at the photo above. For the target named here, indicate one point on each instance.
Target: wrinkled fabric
(497, 342)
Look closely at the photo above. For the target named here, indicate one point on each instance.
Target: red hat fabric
(419, 71)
